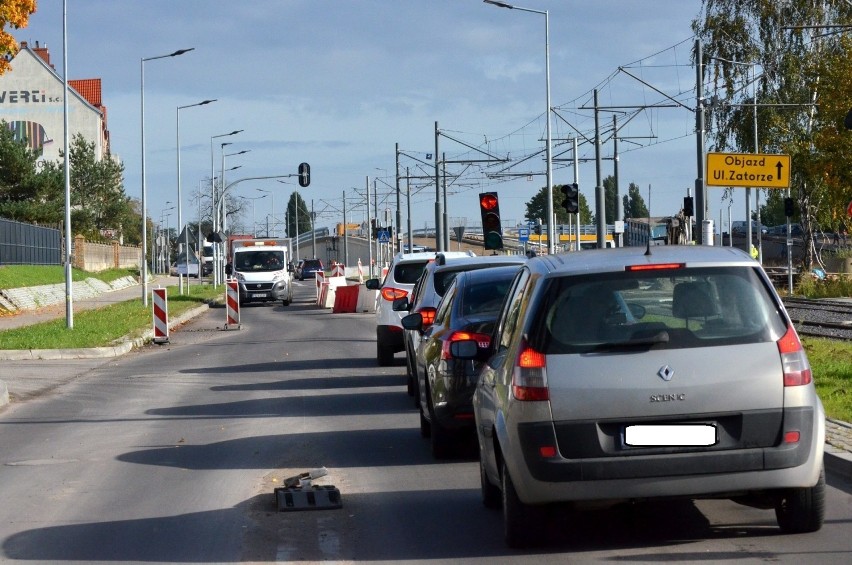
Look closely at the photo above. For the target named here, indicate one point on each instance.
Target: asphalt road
(170, 454)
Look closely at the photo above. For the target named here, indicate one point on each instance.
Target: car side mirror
(464, 349)
(414, 322)
(290, 267)
(372, 284)
(401, 305)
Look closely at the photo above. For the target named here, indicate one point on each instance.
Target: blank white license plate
(670, 435)
(259, 295)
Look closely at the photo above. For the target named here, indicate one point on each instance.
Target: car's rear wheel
(425, 426)
(522, 523)
(441, 440)
(802, 510)
(384, 354)
(490, 493)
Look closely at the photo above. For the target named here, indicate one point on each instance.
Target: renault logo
(666, 373)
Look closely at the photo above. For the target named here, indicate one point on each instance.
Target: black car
(466, 312)
(307, 268)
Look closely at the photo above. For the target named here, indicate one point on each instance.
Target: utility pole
(700, 190)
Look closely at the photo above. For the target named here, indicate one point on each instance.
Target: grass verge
(102, 326)
(832, 368)
(19, 276)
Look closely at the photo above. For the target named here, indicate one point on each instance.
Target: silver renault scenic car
(628, 374)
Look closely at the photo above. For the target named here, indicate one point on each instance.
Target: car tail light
(529, 379)
(797, 369)
(390, 294)
(482, 341)
(428, 315)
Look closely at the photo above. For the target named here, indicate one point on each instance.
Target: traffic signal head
(304, 174)
(571, 202)
(789, 208)
(492, 230)
(688, 207)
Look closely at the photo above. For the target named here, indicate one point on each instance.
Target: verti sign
(751, 170)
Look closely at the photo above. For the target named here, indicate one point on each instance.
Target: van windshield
(259, 261)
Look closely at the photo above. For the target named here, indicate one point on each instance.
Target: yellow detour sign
(752, 170)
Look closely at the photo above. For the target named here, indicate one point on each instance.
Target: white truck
(263, 269)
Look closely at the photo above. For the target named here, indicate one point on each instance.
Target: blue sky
(337, 83)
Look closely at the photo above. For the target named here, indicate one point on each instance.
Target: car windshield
(663, 309)
(260, 261)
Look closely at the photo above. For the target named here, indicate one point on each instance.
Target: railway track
(829, 318)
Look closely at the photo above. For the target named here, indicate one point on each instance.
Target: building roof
(89, 88)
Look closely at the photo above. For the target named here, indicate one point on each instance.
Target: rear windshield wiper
(636, 342)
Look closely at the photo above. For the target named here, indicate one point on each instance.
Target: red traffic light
(488, 201)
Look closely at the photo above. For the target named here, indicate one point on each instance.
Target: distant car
(445, 384)
(402, 273)
(427, 292)
(307, 269)
(740, 227)
(781, 230)
(623, 374)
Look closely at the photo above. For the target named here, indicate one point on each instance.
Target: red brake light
(655, 267)
(797, 369)
(428, 315)
(529, 379)
(390, 294)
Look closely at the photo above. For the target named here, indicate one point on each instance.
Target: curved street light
(180, 199)
(144, 265)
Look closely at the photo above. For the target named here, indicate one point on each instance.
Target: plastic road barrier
(161, 315)
(232, 304)
(345, 299)
(338, 270)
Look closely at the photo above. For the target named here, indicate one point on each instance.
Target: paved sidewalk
(23, 376)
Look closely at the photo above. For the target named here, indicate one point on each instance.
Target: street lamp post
(144, 265)
(551, 228)
(179, 200)
(214, 215)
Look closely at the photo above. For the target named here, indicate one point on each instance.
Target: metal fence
(26, 244)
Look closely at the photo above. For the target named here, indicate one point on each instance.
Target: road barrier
(338, 270)
(160, 308)
(232, 304)
(319, 280)
(345, 299)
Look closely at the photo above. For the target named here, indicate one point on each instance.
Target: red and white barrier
(232, 304)
(161, 315)
(360, 272)
(338, 270)
(320, 280)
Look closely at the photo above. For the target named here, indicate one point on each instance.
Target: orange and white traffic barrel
(161, 315)
(232, 304)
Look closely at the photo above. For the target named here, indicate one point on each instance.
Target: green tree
(610, 199)
(97, 191)
(28, 187)
(293, 204)
(634, 204)
(537, 207)
(754, 62)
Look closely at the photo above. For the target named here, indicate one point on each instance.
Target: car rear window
(485, 297)
(312, 264)
(680, 308)
(409, 272)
